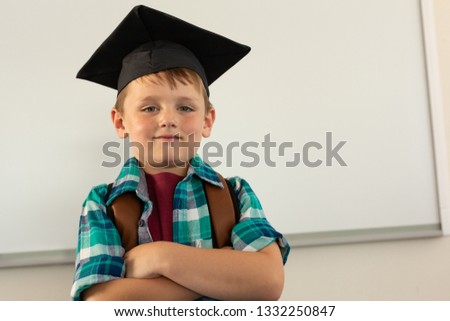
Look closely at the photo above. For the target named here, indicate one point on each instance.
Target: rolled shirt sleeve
(99, 256)
(254, 232)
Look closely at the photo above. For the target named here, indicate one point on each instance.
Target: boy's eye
(186, 108)
(150, 109)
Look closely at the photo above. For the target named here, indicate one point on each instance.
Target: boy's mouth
(167, 138)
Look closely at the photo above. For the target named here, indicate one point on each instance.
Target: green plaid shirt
(100, 253)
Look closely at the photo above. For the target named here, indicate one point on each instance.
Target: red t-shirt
(161, 188)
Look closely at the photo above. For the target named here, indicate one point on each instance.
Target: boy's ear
(209, 122)
(119, 126)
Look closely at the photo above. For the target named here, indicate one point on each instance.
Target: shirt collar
(203, 171)
(132, 178)
(128, 180)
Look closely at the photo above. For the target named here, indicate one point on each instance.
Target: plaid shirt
(100, 252)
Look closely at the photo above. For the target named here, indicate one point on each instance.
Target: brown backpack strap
(224, 211)
(125, 212)
(236, 205)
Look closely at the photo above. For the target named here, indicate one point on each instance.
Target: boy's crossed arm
(132, 289)
(170, 271)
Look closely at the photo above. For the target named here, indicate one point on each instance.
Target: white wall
(442, 12)
(397, 270)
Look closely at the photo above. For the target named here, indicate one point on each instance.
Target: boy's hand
(143, 261)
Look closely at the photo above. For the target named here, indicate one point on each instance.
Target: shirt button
(141, 223)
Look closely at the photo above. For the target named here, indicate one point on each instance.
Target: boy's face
(164, 125)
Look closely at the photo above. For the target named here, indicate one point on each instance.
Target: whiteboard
(352, 71)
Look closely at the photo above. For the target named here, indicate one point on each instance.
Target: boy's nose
(167, 119)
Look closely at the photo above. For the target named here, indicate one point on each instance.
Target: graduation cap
(148, 41)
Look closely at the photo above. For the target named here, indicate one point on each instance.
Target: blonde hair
(170, 76)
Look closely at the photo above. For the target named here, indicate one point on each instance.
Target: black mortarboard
(148, 41)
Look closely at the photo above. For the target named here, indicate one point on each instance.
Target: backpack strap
(236, 205)
(224, 211)
(125, 213)
(109, 210)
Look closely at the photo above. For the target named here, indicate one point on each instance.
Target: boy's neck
(180, 171)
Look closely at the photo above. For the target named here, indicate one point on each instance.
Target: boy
(162, 67)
